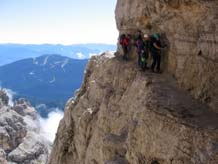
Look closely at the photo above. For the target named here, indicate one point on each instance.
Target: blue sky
(57, 21)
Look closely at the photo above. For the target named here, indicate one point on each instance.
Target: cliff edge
(121, 115)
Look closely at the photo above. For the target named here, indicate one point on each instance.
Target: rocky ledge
(124, 116)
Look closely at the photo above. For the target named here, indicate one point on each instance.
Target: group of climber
(145, 44)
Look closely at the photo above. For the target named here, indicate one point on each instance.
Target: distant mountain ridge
(48, 79)
(12, 52)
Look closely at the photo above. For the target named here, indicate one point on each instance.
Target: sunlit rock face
(20, 139)
(12, 129)
(123, 116)
(190, 29)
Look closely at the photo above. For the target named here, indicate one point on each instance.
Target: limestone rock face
(24, 108)
(124, 116)
(20, 139)
(190, 29)
(32, 147)
(12, 129)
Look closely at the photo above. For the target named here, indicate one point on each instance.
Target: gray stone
(20, 139)
(24, 108)
(120, 119)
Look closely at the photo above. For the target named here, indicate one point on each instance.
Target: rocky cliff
(124, 116)
(190, 28)
(20, 140)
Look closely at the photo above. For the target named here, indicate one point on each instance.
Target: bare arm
(156, 46)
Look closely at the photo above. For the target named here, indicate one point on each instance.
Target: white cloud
(41, 106)
(49, 125)
(80, 55)
(31, 73)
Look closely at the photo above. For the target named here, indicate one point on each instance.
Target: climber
(142, 50)
(140, 46)
(124, 42)
(129, 47)
(145, 53)
(139, 33)
(155, 49)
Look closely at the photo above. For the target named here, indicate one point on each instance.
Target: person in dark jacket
(140, 47)
(142, 44)
(155, 47)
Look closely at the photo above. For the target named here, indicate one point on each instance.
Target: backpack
(121, 38)
(124, 41)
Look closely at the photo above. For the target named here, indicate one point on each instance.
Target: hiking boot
(159, 71)
(152, 70)
(147, 67)
(140, 69)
